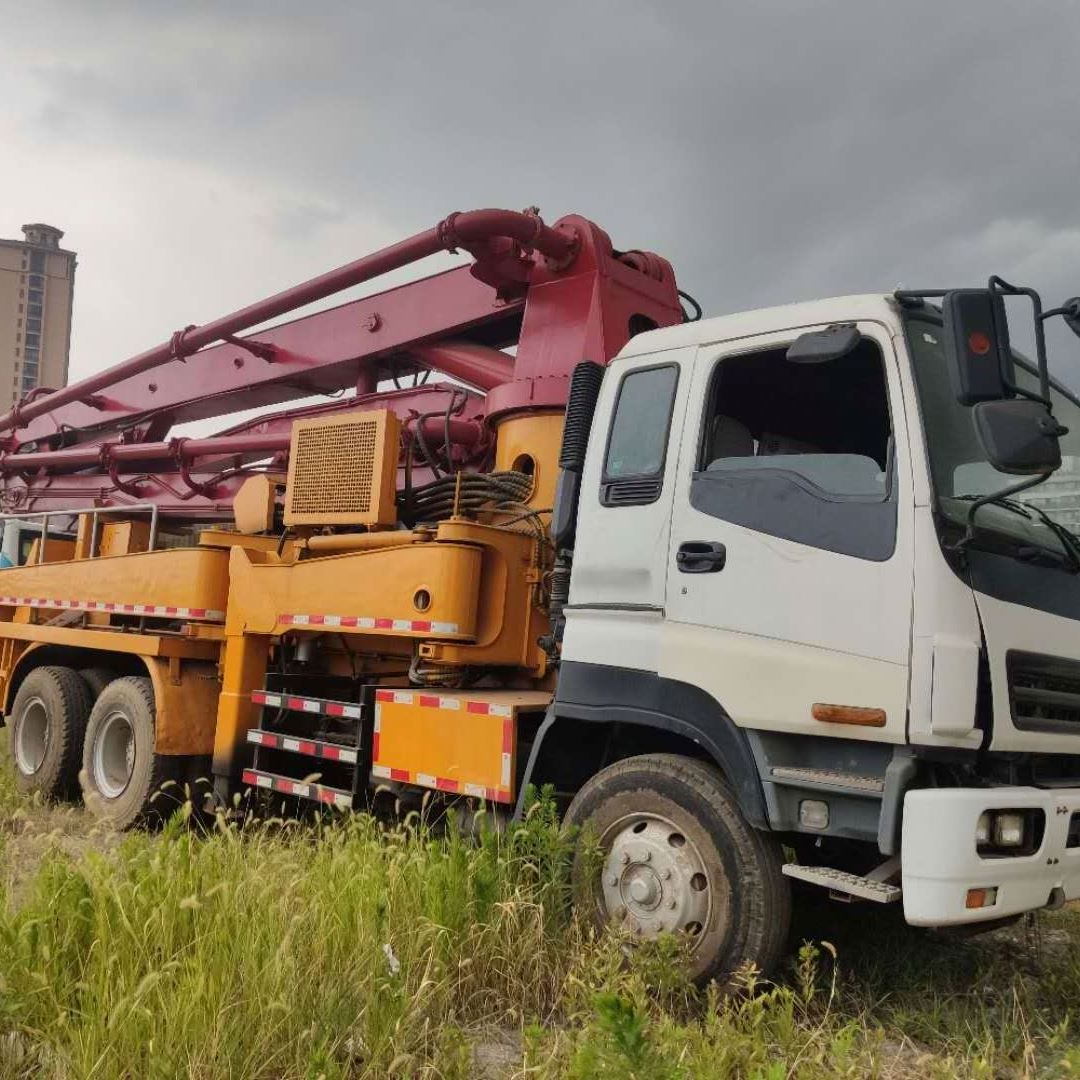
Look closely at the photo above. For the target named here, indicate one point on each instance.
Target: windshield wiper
(1069, 540)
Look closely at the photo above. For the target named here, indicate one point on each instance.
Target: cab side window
(802, 451)
(637, 442)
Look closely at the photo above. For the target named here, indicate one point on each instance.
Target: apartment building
(37, 283)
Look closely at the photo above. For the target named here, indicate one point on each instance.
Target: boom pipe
(344, 347)
(407, 403)
(463, 433)
(477, 227)
(144, 454)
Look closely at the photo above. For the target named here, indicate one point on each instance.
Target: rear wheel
(48, 723)
(124, 776)
(97, 678)
(676, 855)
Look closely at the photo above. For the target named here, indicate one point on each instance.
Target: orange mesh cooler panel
(343, 470)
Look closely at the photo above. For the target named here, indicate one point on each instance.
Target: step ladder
(833, 780)
(292, 755)
(846, 887)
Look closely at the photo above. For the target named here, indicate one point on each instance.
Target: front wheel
(678, 856)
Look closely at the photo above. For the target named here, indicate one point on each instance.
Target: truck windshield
(959, 466)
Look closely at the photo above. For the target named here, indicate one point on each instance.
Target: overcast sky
(202, 155)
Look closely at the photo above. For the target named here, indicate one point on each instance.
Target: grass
(354, 949)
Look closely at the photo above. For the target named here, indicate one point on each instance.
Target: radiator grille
(1044, 692)
(334, 469)
(342, 471)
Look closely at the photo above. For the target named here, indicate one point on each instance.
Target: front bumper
(940, 864)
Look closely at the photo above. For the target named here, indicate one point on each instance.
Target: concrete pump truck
(791, 594)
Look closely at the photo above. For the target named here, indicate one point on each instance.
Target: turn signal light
(980, 898)
(848, 714)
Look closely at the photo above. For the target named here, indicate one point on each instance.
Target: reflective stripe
(442, 783)
(285, 786)
(438, 701)
(310, 747)
(369, 622)
(158, 610)
(308, 705)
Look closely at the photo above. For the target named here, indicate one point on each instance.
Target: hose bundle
(463, 493)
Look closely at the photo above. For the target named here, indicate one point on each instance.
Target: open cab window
(802, 451)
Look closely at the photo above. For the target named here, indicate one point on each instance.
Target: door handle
(700, 557)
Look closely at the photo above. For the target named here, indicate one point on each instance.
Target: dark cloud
(773, 151)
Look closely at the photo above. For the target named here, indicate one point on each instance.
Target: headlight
(1009, 832)
(1009, 829)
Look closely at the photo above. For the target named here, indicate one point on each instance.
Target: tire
(97, 678)
(679, 856)
(48, 724)
(122, 775)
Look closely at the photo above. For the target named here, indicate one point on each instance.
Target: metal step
(300, 789)
(303, 704)
(794, 776)
(845, 884)
(315, 748)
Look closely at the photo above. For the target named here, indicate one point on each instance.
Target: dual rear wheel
(92, 727)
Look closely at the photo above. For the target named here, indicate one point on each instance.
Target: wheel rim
(655, 878)
(114, 755)
(32, 737)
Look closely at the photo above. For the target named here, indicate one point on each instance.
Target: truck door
(624, 519)
(790, 567)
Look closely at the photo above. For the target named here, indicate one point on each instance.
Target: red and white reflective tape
(452, 704)
(441, 701)
(283, 786)
(307, 705)
(159, 610)
(364, 622)
(441, 783)
(312, 747)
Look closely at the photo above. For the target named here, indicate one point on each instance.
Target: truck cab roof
(878, 307)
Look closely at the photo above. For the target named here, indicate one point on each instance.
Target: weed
(353, 949)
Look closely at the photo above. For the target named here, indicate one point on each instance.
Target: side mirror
(977, 345)
(820, 346)
(1019, 436)
(1072, 314)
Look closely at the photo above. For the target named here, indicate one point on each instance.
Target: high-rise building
(37, 283)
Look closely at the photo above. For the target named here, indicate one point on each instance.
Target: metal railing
(95, 514)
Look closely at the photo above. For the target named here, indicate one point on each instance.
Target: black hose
(694, 304)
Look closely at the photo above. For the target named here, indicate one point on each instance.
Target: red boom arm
(560, 293)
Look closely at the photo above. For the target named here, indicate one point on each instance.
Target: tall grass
(353, 948)
(275, 949)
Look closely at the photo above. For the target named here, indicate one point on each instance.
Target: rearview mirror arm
(1000, 285)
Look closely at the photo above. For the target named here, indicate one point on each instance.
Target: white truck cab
(779, 559)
